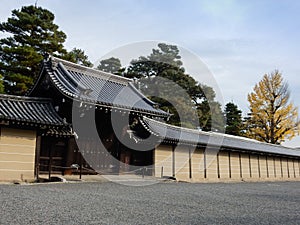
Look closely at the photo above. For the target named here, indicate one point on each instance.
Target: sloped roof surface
(29, 110)
(190, 136)
(90, 85)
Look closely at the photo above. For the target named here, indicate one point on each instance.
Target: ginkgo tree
(272, 118)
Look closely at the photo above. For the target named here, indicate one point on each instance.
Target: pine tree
(195, 101)
(32, 34)
(234, 123)
(77, 56)
(111, 65)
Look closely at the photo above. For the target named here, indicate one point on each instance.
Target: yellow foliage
(272, 119)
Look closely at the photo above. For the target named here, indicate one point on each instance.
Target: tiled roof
(28, 111)
(195, 137)
(97, 87)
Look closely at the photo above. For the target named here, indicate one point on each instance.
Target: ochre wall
(278, 167)
(271, 170)
(245, 160)
(197, 164)
(17, 154)
(163, 160)
(263, 166)
(295, 168)
(235, 165)
(224, 164)
(213, 165)
(182, 170)
(284, 167)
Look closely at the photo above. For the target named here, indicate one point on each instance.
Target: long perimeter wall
(190, 164)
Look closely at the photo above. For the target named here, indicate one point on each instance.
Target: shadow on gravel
(52, 179)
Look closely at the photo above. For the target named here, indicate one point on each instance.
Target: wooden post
(274, 166)
(153, 163)
(250, 166)
(258, 166)
(218, 165)
(229, 164)
(294, 168)
(70, 154)
(190, 163)
(173, 160)
(299, 166)
(37, 156)
(119, 168)
(50, 163)
(281, 167)
(267, 166)
(80, 168)
(287, 166)
(240, 161)
(204, 162)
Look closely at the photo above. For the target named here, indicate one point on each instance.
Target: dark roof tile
(195, 137)
(29, 110)
(98, 87)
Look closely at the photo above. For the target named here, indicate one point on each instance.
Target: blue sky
(239, 41)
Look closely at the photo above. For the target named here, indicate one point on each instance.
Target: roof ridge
(177, 127)
(25, 98)
(91, 71)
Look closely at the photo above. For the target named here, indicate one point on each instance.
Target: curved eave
(114, 106)
(120, 107)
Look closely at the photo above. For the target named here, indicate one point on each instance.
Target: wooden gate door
(53, 155)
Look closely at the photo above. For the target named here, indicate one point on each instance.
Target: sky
(237, 41)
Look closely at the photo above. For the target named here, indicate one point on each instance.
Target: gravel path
(164, 203)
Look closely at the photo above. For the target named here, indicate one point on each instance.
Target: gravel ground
(163, 203)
